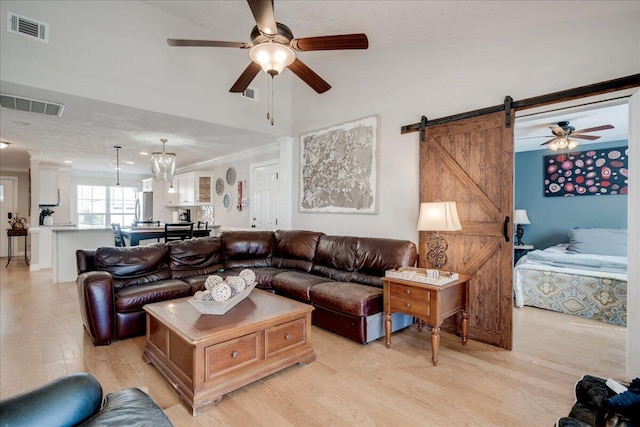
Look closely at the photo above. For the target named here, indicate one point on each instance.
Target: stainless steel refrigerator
(144, 206)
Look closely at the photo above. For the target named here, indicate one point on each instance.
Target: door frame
(14, 205)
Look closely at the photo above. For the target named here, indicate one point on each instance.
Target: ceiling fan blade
(245, 78)
(589, 137)
(603, 127)
(549, 141)
(207, 43)
(263, 14)
(338, 42)
(309, 76)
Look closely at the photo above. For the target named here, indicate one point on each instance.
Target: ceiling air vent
(27, 27)
(31, 105)
(250, 93)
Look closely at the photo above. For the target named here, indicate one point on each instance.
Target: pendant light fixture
(117, 147)
(163, 165)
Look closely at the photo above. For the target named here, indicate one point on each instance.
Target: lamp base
(519, 234)
(437, 256)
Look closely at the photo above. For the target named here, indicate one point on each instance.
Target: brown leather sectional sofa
(338, 275)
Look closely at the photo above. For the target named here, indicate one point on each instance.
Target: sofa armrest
(97, 305)
(66, 401)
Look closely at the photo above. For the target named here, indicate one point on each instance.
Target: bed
(586, 277)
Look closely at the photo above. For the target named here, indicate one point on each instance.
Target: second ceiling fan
(272, 48)
(565, 135)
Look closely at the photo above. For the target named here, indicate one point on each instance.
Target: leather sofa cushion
(296, 284)
(195, 257)
(351, 298)
(374, 256)
(134, 265)
(129, 407)
(246, 249)
(295, 249)
(335, 257)
(134, 297)
(85, 260)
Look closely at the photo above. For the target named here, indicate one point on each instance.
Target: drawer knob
(407, 304)
(287, 337)
(234, 354)
(407, 291)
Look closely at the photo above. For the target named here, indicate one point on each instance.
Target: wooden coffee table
(205, 356)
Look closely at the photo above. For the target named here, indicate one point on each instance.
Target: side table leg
(420, 325)
(465, 326)
(435, 344)
(387, 329)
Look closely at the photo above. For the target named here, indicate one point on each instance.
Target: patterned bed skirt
(596, 298)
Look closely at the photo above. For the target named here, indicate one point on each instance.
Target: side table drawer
(410, 300)
(232, 354)
(284, 336)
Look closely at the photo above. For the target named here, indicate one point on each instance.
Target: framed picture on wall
(339, 168)
(587, 173)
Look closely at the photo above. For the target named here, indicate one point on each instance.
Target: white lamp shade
(520, 217)
(272, 57)
(438, 216)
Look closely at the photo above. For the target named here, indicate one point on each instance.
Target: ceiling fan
(565, 135)
(272, 48)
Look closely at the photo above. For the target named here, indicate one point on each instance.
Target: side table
(431, 304)
(519, 251)
(16, 232)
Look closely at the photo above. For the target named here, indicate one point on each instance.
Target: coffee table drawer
(232, 354)
(284, 336)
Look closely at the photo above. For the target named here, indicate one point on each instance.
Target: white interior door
(265, 195)
(8, 203)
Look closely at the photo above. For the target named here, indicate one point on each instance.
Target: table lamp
(438, 216)
(519, 218)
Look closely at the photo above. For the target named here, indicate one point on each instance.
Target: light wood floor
(42, 338)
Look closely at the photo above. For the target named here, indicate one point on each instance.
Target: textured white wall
(116, 51)
(438, 80)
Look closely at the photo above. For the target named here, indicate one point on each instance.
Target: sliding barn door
(470, 162)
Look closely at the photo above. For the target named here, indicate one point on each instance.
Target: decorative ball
(198, 296)
(221, 292)
(248, 276)
(212, 281)
(206, 295)
(236, 283)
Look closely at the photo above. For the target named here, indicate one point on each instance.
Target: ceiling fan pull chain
(268, 97)
(272, 83)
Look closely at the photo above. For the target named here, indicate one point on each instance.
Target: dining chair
(117, 235)
(178, 231)
(205, 223)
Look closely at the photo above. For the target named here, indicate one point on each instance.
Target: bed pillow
(598, 241)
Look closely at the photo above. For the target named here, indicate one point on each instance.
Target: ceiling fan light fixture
(163, 165)
(553, 146)
(272, 57)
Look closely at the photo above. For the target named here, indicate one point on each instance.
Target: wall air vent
(31, 105)
(27, 27)
(250, 93)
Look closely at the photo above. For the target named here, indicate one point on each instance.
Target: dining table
(136, 234)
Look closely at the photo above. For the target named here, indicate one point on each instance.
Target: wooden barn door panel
(470, 161)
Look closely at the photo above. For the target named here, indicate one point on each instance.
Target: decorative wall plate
(219, 186)
(227, 201)
(231, 176)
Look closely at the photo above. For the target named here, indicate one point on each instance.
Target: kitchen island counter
(66, 239)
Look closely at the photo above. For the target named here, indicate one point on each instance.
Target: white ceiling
(88, 129)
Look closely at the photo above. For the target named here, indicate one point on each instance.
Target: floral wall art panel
(339, 168)
(587, 173)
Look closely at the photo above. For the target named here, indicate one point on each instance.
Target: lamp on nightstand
(520, 218)
(438, 216)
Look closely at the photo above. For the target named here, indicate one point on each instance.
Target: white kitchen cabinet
(186, 189)
(193, 189)
(204, 188)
